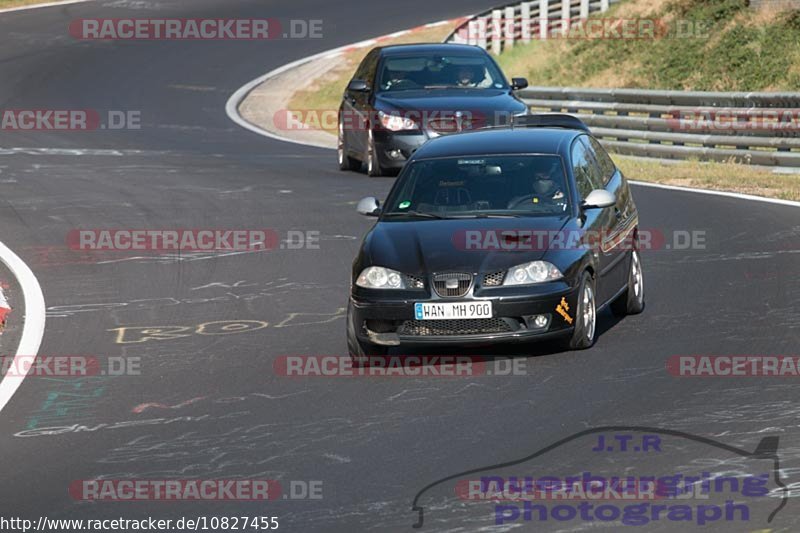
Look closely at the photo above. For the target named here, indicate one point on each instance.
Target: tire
(345, 161)
(360, 352)
(374, 169)
(585, 331)
(631, 302)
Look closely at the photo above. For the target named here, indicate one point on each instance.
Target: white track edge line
(40, 6)
(729, 194)
(232, 109)
(33, 323)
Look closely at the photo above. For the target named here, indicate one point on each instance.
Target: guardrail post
(544, 14)
(510, 27)
(472, 32)
(565, 17)
(497, 31)
(525, 22)
(482, 28)
(603, 6)
(584, 9)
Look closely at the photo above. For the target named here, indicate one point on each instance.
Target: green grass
(17, 3)
(741, 50)
(718, 176)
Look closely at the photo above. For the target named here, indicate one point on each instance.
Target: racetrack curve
(213, 406)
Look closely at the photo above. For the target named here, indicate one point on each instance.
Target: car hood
(429, 246)
(486, 101)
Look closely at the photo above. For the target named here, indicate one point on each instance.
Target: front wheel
(374, 169)
(583, 335)
(631, 302)
(345, 161)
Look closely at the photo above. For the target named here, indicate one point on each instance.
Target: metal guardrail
(499, 28)
(754, 128)
(758, 128)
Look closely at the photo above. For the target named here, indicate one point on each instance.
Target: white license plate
(452, 310)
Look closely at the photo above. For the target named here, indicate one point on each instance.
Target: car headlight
(396, 122)
(533, 272)
(380, 278)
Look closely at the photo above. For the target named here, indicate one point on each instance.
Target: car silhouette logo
(766, 450)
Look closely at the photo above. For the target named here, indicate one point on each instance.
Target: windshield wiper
(488, 215)
(414, 214)
(497, 215)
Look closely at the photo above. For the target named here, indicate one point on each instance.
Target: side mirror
(599, 199)
(369, 206)
(519, 83)
(358, 86)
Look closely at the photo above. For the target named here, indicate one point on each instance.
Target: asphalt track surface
(217, 410)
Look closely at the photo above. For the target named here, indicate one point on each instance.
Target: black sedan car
(518, 234)
(401, 96)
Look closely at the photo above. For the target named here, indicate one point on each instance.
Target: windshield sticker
(443, 183)
(404, 205)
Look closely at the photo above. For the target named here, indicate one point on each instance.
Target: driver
(397, 78)
(466, 76)
(546, 188)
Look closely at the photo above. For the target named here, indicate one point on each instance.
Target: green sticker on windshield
(404, 205)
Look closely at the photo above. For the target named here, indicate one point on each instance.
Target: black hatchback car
(403, 95)
(509, 234)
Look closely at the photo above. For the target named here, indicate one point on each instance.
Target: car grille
(450, 124)
(433, 328)
(413, 282)
(452, 284)
(494, 279)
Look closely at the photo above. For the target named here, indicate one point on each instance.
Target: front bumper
(388, 319)
(395, 148)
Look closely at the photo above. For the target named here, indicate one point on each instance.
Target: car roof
(427, 48)
(541, 140)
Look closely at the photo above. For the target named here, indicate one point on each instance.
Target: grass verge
(707, 45)
(19, 3)
(717, 176)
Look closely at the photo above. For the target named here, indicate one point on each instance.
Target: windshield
(509, 185)
(435, 71)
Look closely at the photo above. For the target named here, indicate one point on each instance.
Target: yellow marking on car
(562, 309)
